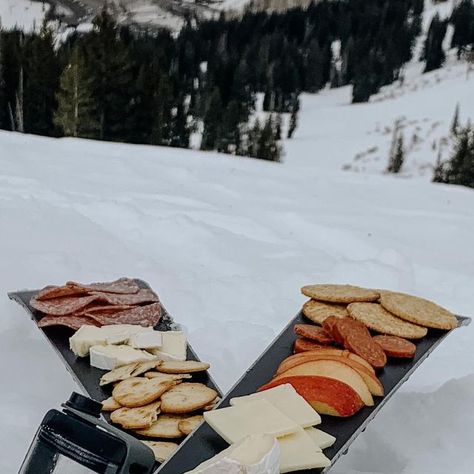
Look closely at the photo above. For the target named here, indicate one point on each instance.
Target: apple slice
(327, 351)
(373, 383)
(327, 396)
(334, 370)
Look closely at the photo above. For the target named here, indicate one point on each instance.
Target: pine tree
(293, 118)
(460, 167)
(180, 129)
(212, 122)
(433, 53)
(268, 147)
(76, 114)
(397, 156)
(455, 122)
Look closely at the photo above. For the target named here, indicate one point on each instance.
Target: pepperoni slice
(315, 333)
(303, 345)
(328, 325)
(345, 326)
(395, 346)
(366, 348)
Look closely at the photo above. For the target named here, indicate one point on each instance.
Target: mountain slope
(227, 242)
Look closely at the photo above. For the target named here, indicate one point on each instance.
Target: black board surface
(204, 443)
(87, 377)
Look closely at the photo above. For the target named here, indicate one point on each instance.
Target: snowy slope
(335, 134)
(227, 242)
(24, 14)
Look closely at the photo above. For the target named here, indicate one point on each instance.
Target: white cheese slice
(256, 454)
(173, 347)
(253, 417)
(322, 439)
(146, 340)
(288, 401)
(87, 336)
(111, 356)
(298, 452)
(84, 338)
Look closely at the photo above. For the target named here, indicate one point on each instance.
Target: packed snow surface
(227, 243)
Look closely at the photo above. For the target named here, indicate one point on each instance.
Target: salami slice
(62, 306)
(345, 326)
(103, 309)
(73, 322)
(366, 348)
(148, 315)
(142, 296)
(328, 325)
(303, 345)
(395, 346)
(51, 292)
(121, 286)
(314, 333)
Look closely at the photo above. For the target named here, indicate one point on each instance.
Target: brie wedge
(109, 357)
(286, 399)
(146, 340)
(254, 417)
(256, 454)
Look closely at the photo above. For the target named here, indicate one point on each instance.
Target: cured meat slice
(142, 296)
(345, 326)
(328, 325)
(50, 292)
(303, 345)
(394, 346)
(121, 286)
(148, 315)
(366, 348)
(62, 306)
(73, 322)
(314, 333)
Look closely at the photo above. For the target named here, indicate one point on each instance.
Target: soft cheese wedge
(255, 454)
(286, 399)
(298, 452)
(173, 347)
(109, 357)
(320, 438)
(87, 336)
(254, 417)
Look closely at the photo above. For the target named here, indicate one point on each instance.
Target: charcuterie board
(86, 376)
(204, 443)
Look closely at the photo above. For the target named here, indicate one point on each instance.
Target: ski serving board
(204, 443)
(87, 377)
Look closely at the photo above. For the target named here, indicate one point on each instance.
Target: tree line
(115, 83)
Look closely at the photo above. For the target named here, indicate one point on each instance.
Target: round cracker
(166, 426)
(160, 376)
(375, 317)
(418, 311)
(134, 418)
(140, 391)
(318, 311)
(182, 367)
(110, 404)
(188, 425)
(162, 450)
(187, 397)
(340, 293)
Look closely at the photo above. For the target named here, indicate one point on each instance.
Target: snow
(227, 243)
(24, 14)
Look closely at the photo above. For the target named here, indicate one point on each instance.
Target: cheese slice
(286, 399)
(320, 438)
(87, 336)
(174, 346)
(146, 340)
(253, 417)
(298, 452)
(111, 356)
(256, 454)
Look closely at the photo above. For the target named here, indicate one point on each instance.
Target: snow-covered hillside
(227, 242)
